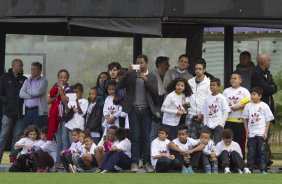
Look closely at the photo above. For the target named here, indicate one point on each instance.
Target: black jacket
(9, 94)
(94, 122)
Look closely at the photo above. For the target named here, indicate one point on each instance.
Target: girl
(100, 85)
(57, 113)
(175, 105)
(119, 154)
(111, 111)
(79, 107)
(93, 116)
(31, 136)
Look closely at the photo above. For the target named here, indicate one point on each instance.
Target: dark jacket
(246, 74)
(94, 122)
(266, 83)
(9, 94)
(129, 83)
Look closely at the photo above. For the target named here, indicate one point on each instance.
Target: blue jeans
(140, 120)
(154, 130)
(8, 125)
(255, 144)
(31, 117)
(118, 158)
(62, 139)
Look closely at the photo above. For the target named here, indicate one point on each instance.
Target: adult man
(200, 85)
(181, 71)
(246, 68)
(113, 69)
(141, 89)
(33, 92)
(10, 85)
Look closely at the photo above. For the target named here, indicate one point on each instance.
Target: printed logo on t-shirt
(255, 118)
(163, 151)
(111, 110)
(233, 100)
(213, 109)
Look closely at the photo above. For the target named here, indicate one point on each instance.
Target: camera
(135, 67)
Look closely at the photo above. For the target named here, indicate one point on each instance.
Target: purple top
(32, 102)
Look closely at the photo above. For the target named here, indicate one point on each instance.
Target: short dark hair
(164, 129)
(88, 137)
(94, 88)
(65, 71)
(183, 128)
(257, 90)
(172, 84)
(183, 55)
(216, 80)
(44, 130)
(76, 130)
(113, 128)
(205, 131)
(246, 53)
(110, 83)
(121, 72)
(113, 65)
(121, 134)
(78, 86)
(37, 64)
(227, 134)
(237, 73)
(200, 61)
(144, 57)
(160, 60)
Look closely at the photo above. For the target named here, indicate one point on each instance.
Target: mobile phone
(135, 67)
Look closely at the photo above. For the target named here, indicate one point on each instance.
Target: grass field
(129, 178)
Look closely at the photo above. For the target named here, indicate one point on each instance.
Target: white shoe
(240, 171)
(104, 171)
(227, 170)
(247, 171)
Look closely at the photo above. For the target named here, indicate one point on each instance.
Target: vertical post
(137, 46)
(2, 52)
(228, 54)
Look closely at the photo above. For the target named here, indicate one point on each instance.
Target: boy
(186, 150)
(209, 154)
(235, 96)
(257, 117)
(215, 111)
(229, 154)
(161, 160)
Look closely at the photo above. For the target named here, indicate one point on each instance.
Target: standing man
(12, 121)
(33, 91)
(113, 69)
(200, 85)
(180, 71)
(141, 89)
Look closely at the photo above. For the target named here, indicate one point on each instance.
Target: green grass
(129, 178)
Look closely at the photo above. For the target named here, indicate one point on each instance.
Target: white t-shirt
(172, 104)
(257, 115)
(158, 147)
(214, 109)
(234, 146)
(234, 96)
(91, 151)
(190, 144)
(78, 120)
(51, 148)
(75, 146)
(210, 147)
(125, 146)
(26, 141)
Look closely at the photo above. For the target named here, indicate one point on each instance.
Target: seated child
(31, 136)
(229, 154)
(119, 154)
(257, 117)
(66, 155)
(209, 154)
(105, 144)
(161, 160)
(187, 151)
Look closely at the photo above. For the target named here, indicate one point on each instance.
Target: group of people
(162, 120)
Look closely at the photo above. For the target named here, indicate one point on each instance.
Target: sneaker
(263, 172)
(227, 170)
(134, 167)
(98, 170)
(13, 159)
(240, 171)
(247, 171)
(71, 168)
(148, 167)
(190, 170)
(184, 170)
(104, 171)
(208, 169)
(215, 169)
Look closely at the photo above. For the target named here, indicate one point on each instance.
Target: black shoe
(269, 163)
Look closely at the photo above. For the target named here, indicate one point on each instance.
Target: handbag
(69, 115)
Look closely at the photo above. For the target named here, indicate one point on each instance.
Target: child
(93, 116)
(119, 154)
(111, 111)
(173, 106)
(66, 155)
(31, 137)
(161, 160)
(209, 154)
(235, 95)
(186, 150)
(105, 144)
(229, 154)
(257, 117)
(79, 107)
(215, 111)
